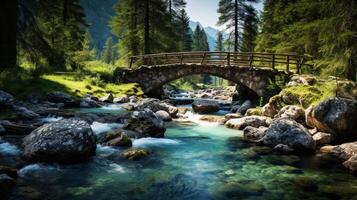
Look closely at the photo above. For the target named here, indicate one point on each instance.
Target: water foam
(143, 142)
(116, 168)
(9, 149)
(34, 168)
(50, 119)
(99, 128)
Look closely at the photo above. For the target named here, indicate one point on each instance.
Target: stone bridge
(250, 70)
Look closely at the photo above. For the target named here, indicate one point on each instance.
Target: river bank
(137, 148)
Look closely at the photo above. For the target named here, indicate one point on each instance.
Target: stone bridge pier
(152, 78)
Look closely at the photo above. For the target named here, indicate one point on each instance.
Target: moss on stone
(254, 111)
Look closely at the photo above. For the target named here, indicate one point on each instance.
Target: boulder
(88, 102)
(244, 107)
(165, 116)
(205, 106)
(183, 110)
(213, 119)
(123, 99)
(322, 138)
(291, 112)
(254, 121)
(61, 97)
(268, 110)
(135, 154)
(6, 185)
(12, 172)
(346, 152)
(336, 116)
(283, 149)
(146, 124)
(24, 113)
(290, 133)
(133, 99)
(108, 98)
(254, 134)
(254, 111)
(6, 99)
(117, 138)
(351, 163)
(156, 105)
(64, 141)
(232, 116)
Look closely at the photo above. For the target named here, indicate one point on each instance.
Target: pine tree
(184, 31)
(250, 29)
(88, 52)
(108, 51)
(175, 7)
(219, 42)
(232, 12)
(200, 42)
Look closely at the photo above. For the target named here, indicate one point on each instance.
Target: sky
(205, 11)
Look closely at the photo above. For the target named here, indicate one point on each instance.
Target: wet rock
(135, 154)
(156, 105)
(336, 116)
(244, 107)
(205, 106)
(291, 112)
(24, 113)
(183, 110)
(61, 97)
(322, 138)
(108, 98)
(6, 184)
(12, 172)
(290, 133)
(351, 163)
(146, 124)
(213, 119)
(254, 121)
(117, 138)
(123, 99)
(253, 134)
(283, 149)
(232, 116)
(17, 129)
(133, 99)
(6, 99)
(89, 102)
(67, 141)
(165, 116)
(2, 129)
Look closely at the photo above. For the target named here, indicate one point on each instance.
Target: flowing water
(194, 161)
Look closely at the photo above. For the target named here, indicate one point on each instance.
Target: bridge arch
(152, 78)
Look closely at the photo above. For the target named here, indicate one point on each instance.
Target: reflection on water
(192, 162)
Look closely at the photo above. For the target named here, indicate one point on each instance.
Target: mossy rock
(254, 111)
(135, 154)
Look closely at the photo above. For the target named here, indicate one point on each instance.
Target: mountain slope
(211, 34)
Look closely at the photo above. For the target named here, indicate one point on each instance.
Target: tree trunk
(236, 26)
(8, 33)
(147, 29)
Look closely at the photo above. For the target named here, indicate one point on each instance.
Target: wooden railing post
(287, 63)
(251, 60)
(203, 58)
(229, 58)
(273, 61)
(131, 62)
(181, 60)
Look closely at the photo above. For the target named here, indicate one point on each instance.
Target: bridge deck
(283, 62)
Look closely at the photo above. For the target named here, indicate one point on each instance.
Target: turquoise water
(197, 161)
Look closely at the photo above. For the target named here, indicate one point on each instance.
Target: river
(197, 160)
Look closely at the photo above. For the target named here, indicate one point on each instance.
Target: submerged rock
(67, 140)
(336, 116)
(254, 121)
(135, 154)
(12, 172)
(146, 124)
(61, 97)
(205, 106)
(214, 119)
(290, 133)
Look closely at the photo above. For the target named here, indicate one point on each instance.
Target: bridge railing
(282, 62)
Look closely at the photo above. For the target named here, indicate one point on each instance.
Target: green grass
(19, 83)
